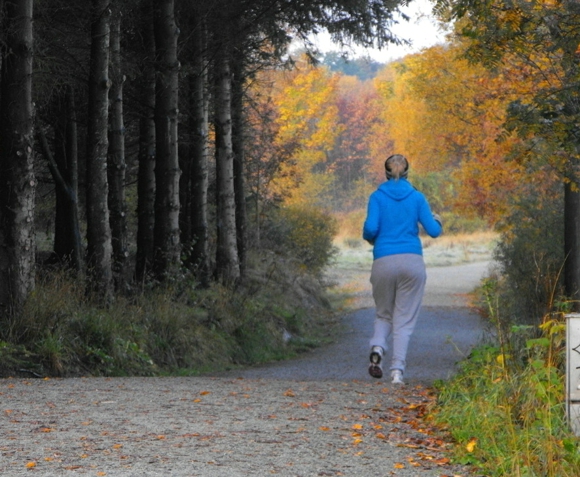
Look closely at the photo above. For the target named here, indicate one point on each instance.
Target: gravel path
(319, 415)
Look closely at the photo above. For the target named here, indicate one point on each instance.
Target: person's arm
(371, 225)
(430, 222)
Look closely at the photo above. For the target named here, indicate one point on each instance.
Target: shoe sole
(375, 371)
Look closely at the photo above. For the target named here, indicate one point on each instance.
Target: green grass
(179, 329)
(506, 411)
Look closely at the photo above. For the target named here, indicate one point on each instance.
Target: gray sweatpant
(398, 283)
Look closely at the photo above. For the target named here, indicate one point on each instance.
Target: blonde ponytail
(396, 167)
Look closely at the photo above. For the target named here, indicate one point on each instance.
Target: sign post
(573, 371)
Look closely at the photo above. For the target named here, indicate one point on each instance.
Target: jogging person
(398, 276)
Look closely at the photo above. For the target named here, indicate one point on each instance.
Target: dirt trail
(317, 415)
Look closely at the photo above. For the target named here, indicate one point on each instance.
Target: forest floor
(320, 414)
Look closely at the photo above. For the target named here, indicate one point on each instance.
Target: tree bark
(17, 181)
(99, 246)
(199, 259)
(239, 158)
(166, 235)
(116, 158)
(146, 174)
(64, 169)
(227, 261)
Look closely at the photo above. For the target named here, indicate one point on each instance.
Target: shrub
(305, 234)
(530, 255)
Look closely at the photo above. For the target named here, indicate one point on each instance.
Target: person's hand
(437, 217)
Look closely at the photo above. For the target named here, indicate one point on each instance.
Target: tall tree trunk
(572, 243)
(99, 246)
(146, 174)
(239, 158)
(166, 235)
(116, 165)
(227, 261)
(17, 181)
(199, 258)
(64, 168)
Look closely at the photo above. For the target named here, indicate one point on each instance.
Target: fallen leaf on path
(470, 447)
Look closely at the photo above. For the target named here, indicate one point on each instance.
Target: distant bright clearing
(422, 30)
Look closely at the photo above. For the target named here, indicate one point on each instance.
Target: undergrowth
(506, 406)
(276, 313)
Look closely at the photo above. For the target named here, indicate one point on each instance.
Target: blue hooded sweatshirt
(394, 213)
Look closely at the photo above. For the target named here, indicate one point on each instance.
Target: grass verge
(275, 314)
(506, 409)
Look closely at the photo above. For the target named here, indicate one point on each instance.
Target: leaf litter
(159, 426)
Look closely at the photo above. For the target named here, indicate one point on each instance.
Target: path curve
(319, 415)
(446, 331)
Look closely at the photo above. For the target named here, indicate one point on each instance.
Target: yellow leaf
(380, 435)
(197, 400)
(204, 393)
(30, 465)
(399, 465)
(324, 428)
(101, 474)
(502, 358)
(357, 426)
(471, 444)
(289, 393)
(357, 441)
(117, 446)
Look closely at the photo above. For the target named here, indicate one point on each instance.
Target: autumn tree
(446, 115)
(543, 37)
(359, 108)
(308, 116)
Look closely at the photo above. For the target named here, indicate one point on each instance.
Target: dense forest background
(169, 165)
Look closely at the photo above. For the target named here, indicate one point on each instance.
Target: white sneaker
(397, 376)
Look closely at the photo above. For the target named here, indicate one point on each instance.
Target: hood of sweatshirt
(397, 189)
